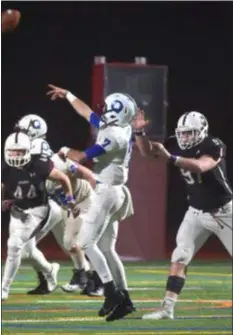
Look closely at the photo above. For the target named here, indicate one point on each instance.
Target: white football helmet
(192, 129)
(119, 109)
(33, 125)
(17, 150)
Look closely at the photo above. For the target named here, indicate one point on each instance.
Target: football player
(113, 202)
(36, 128)
(200, 158)
(23, 187)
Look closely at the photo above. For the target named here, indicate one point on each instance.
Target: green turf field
(205, 306)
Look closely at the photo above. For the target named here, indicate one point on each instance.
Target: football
(10, 20)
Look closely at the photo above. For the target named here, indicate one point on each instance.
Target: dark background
(57, 41)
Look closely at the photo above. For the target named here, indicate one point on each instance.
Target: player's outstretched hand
(139, 121)
(56, 92)
(160, 149)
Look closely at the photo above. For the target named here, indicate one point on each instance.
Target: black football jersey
(209, 190)
(26, 185)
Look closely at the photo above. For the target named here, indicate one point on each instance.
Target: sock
(79, 261)
(109, 289)
(40, 262)
(169, 303)
(100, 264)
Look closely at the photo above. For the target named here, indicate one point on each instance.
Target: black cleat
(111, 303)
(120, 312)
(78, 281)
(42, 288)
(124, 308)
(94, 287)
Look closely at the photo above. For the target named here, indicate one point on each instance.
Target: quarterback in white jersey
(36, 128)
(113, 202)
(112, 168)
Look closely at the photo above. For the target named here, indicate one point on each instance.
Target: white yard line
(189, 288)
(85, 319)
(136, 301)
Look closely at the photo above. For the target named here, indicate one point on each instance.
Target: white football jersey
(41, 147)
(112, 167)
(81, 188)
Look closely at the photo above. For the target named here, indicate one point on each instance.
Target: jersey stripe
(224, 180)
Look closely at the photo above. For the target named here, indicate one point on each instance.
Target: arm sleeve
(94, 120)
(215, 149)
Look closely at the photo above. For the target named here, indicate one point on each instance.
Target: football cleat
(42, 287)
(162, 314)
(77, 282)
(4, 295)
(97, 292)
(52, 277)
(123, 309)
(111, 303)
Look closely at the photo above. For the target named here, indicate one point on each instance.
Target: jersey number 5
(189, 178)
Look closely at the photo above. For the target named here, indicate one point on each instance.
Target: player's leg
(21, 227)
(190, 238)
(222, 225)
(43, 285)
(81, 265)
(55, 217)
(93, 226)
(107, 245)
(49, 270)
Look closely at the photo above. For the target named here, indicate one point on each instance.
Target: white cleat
(69, 288)
(162, 314)
(97, 293)
(52, 277)
(4, 295)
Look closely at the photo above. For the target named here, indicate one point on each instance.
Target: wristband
(139, 132)
(69, 198)
(70, 97)
(65, 150)
(173, 159)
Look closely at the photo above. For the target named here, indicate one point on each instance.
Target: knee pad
(182, 255)
(28, 252)
(14, 246)
(25, 254)
(67, 243)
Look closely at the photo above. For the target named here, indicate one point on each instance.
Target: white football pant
(99, 230)
(197, 227)
(22, 235)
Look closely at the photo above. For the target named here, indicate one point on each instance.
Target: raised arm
(142, 141)
(79, 106)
